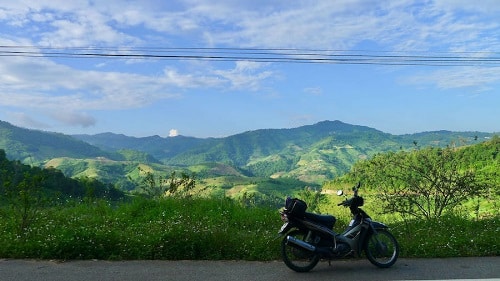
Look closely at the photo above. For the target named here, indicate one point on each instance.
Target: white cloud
(314, 91)
(458, 77)
(63, 93)
(246, 75)
(173, 77)
(483, 6)
(73, 118)
(83, 86)
(173, 133)
(42, 83)
(25, 120)
(304, 24)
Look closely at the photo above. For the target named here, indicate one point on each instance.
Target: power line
(278, 55)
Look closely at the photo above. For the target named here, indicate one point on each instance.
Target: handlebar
(348, 202)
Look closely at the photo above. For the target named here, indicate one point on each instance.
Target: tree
(423, 183)
(312, 197)
(23, 190)
(157, 186)
(180, 185)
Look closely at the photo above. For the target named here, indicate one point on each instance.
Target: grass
(144, 229)
(450, 236)
(207, 229)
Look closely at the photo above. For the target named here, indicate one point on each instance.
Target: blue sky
(144, 96)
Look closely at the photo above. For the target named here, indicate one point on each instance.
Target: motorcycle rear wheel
(295, 257)
(382, 249)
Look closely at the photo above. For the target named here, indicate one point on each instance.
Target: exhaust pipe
(300, 243)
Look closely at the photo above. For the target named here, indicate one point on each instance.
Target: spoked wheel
(382, 249)
(295, 257)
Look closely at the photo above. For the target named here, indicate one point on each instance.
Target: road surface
(485, 268)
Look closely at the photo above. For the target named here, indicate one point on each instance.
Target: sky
(217, 68)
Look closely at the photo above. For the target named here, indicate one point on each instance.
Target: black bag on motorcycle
(295, 207)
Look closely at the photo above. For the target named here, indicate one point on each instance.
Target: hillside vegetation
(17, 180)
(260, 163)
(33, 147)
(229, 215)
(429, 182)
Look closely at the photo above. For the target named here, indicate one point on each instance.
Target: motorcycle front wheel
(295, 257)
(382, 248)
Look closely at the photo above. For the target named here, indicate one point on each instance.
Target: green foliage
(271, 165)
(312, 154)
(452, 235)
(32, 146)
(214, 229)
(257, 191)
(428, 182)
(171, 228)
(137, 156)
(24, 195)
(40, 217)
(158, 186)
(312, 197)
(15, 176)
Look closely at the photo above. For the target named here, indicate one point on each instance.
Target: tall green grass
(145, 229)
(213, 229)
(450, 236)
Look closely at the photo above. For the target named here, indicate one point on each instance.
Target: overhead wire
(274, 55)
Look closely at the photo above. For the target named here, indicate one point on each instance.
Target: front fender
(378, 225)
(374, 226)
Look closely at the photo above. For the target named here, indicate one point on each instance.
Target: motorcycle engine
(342, 249)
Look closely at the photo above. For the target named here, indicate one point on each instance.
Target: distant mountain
(156, 146)
(311, 153)
(33, 146)
(237, 149)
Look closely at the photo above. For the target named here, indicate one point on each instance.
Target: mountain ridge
(310, 153)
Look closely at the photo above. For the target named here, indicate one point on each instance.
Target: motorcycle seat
(326, 220)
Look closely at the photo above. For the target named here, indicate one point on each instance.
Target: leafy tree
(248, 199)
(22, 188)
(180, 185)
(95, 189)
(423, 183)
(312, 197)
(157, 186)
(27, 199)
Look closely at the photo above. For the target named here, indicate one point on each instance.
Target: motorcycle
(310, 237)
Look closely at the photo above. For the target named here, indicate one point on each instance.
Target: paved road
(405, 269)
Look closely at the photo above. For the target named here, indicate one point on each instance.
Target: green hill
(309, 154)
(156, 146)
(33, 146)
(24, 182)
(312, 153)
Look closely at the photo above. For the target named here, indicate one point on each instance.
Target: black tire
(295, 257)
(382, 249)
